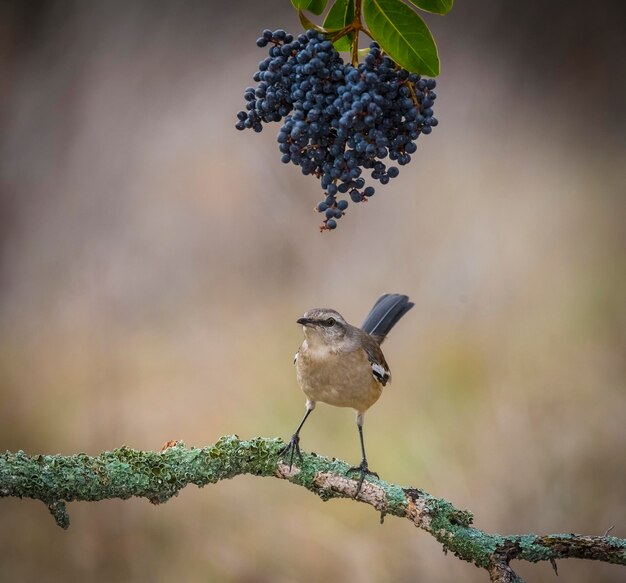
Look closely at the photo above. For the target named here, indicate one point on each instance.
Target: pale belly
(342, 381)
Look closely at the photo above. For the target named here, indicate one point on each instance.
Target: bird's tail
(385, 315)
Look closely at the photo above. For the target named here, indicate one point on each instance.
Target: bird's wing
(380, 368)
(381, 373)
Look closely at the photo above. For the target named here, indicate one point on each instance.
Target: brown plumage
(342, 365)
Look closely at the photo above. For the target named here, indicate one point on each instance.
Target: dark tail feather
(385, 315)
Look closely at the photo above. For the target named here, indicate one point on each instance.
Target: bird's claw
(292, 447)
(364, 470)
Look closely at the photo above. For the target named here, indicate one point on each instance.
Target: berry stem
(357, 25)
(413, 96)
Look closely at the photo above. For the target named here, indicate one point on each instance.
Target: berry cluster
(338, 119)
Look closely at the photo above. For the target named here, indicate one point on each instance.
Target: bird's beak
(305, 321)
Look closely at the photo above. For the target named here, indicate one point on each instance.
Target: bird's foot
(364, 470)
(293, 447)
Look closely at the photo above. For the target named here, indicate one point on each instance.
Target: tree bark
(157, 476)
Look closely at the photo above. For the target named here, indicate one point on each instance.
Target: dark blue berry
(339, 122)
(355, 195)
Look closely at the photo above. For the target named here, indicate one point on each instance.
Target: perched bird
(343, 365)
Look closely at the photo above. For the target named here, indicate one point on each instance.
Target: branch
(157, 476)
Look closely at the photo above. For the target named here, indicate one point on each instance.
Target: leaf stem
(358, 26)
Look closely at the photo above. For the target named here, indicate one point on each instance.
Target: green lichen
(465, 542)
(158, 476)
(59, 513)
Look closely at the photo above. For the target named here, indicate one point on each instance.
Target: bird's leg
(294, 443)
(362, 467)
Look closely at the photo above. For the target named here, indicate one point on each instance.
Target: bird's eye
(330, 322)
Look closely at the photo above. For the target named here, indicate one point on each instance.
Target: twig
(157, 476)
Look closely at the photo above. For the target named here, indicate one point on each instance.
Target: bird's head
(323, 325)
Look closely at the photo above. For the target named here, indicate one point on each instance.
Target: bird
(343, 365)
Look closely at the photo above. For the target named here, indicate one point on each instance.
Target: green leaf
(317, 6)
(340, 15)
(436, 6)
(306, 23)
(344, 44)
(314, 6)
(403, 35)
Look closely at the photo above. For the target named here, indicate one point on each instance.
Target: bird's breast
(342, 379)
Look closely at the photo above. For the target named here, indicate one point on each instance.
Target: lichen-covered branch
(157, 476)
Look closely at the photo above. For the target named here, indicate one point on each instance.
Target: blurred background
(153, 261)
